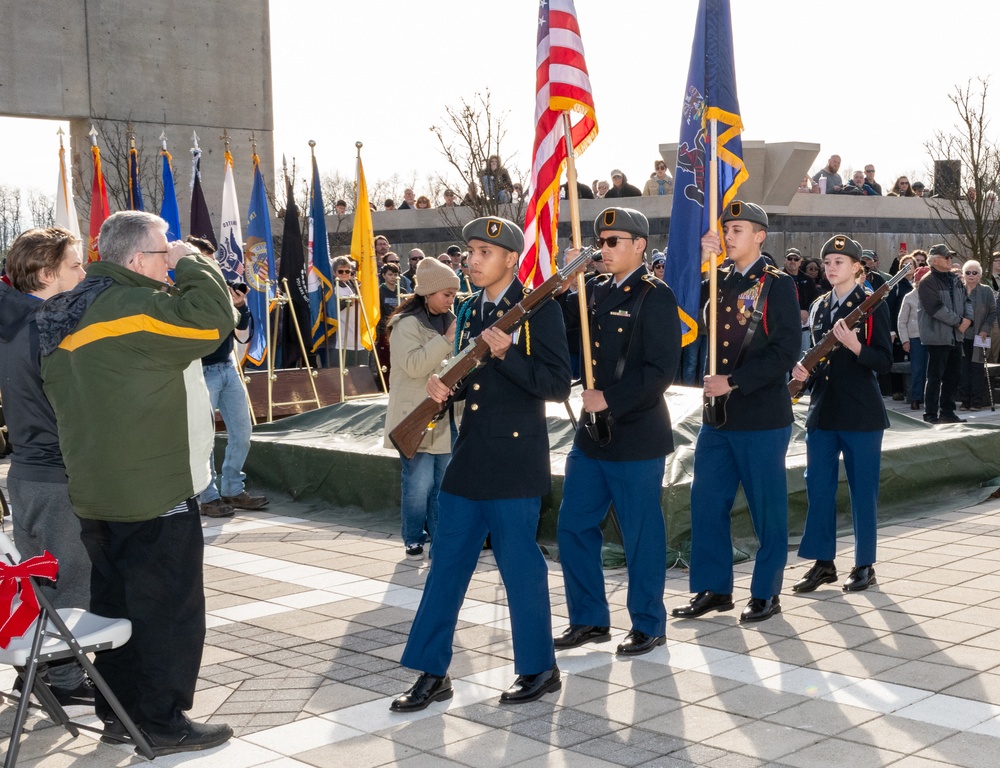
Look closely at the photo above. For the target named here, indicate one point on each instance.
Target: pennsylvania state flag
(710, 95)
(259, 266)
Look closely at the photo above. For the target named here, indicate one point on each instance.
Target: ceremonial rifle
(811, 359)
(410, 431)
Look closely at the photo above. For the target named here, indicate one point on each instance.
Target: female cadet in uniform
(423, 331)
(846, 416)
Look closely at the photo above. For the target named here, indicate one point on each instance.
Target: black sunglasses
(611, 241)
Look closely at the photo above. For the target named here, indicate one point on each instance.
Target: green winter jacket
(125, 380)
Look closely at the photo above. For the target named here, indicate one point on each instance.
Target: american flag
(562, 85)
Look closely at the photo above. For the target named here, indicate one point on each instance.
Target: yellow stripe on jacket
(133, 324)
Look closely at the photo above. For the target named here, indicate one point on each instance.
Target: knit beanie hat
(434, 276)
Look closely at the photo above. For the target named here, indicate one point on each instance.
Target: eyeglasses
(971, 273)
(416, 258)
(869, 170)
(658, 266)
(904, 183)
(792, 258)
(611, 241)
(154, 251)
(343, 271)
(390, 262)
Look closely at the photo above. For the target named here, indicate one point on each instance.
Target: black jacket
(845, 392)
(761, 400)
(502, 451)
(640, 422)
(30, 419)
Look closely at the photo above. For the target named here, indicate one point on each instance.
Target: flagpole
(581, 286)
(713, 279)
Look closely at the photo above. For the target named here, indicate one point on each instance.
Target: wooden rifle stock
(811, 359)
(409, 433)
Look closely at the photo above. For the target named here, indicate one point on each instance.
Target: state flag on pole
(292, 271)
(168, 209)
(363, 252)
(562, 84)
(322, 298)
(65, 207)
(229, 253)
(134, 186)
(259, 266)
(99, 208)
(201, 219)
(710, 94)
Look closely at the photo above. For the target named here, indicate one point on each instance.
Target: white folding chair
(61, 634)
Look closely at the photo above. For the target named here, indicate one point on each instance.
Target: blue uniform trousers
(634, 487)
(723, 459)
(461, 530)
(862, 460)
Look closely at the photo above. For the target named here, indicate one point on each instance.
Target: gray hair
(126, 232)
(341, 262)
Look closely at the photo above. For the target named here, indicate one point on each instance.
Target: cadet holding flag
(743, 441)
(636, 345)
(498, 473)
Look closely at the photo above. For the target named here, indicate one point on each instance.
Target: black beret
(493, 229)
(622, 220)
(844, 245)
(740, 211)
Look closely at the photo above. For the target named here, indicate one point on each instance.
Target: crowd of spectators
(828, 181)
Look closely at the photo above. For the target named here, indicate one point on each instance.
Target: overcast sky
(855, 76)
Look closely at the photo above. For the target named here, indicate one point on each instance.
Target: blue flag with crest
(710, 94)
(259, 269)
(322, 298)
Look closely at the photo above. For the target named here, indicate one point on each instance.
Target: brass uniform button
(516, 435)
(597, 343)
(724, 360)
(621, 330)
(474, 406)
(499, 313)
(727, 326)
(476, 387)
(725, 343)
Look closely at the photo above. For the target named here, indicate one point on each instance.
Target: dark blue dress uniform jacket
(761, 400)
(640, 422)
(502, 451)
(845, 392)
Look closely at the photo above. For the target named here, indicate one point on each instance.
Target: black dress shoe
(950, 418)
(427, 689)
(759, 609)
(194, 737)
(704, 602)
(531, 687)
(862, 577)
(815, 577)
(578, 634)
(637, 643)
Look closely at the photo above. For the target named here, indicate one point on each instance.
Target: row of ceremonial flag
(562, 87)
(311, 295)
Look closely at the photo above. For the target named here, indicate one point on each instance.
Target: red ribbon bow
(15, 578)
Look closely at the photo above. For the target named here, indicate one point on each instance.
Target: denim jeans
(918, 369)
(420, 482)
(693, 358)
(225, 392)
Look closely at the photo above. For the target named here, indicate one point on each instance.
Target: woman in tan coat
(421, 334)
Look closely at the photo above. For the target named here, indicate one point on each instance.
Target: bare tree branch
(969, 215)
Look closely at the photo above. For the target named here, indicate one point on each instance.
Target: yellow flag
(363, 252)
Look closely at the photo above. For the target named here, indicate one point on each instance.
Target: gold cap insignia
(736, 208)
(494, 227)
(609, 218)
(839, 242)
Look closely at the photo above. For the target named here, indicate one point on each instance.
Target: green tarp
(332, 460)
